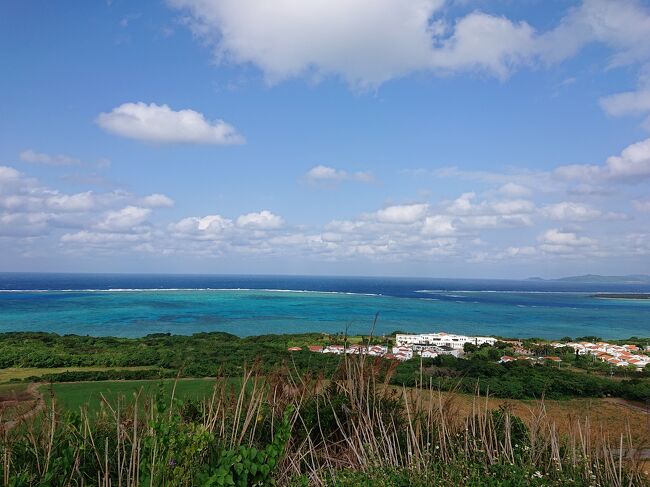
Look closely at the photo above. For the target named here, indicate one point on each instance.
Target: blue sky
(373, 137)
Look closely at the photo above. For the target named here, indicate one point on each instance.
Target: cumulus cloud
(74, 202)
(326, 174)
(206, 227)
(474, 214)
(570, 211)
(124, 219)
(514, 190)
(367, 42)
(364, 41)
(439, 226)
(485, 42)
(563, 242)
(263, 220)
(161, 124)
(631, 166)
(402, 213)
(8, 174)
(480, 228)
(156, 200)
(29, 155)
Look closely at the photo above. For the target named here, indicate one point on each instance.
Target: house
(506, 358)
(557, 360)
(294, 349)
(336, 349)
(315, 348)
(429, 352)
(377, 350)
(402, 351)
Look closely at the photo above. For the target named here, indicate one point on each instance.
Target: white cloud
(402, 213)
(520, 251)
(124, 219)
(628, 103)
(485, 42)
(8, 174)
(631, 166)
(75, 202)
(206, 227)
(464, 205)
(563, 242)
(264, 220)
(439, 226)
(512, 207)
(483, 228)
(326, 174)
(108, 239)
(570, 211)
(367, 42)
(514, 190)
(364, 41)
(52, 160)
(156, 200)
(161, 124)
(24, 224)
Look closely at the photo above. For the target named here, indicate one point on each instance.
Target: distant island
(622, 296)
(595, 278)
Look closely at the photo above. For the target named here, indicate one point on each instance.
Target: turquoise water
(401, 304)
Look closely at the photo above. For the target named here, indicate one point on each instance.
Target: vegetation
(284, 428)
(208, 354)
(199, 355)
(517, 380)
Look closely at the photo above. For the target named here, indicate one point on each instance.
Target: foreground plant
(290, 429)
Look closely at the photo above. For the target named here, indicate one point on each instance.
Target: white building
(403, 351)
(442, 339)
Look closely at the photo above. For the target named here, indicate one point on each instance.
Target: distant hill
(595, 278)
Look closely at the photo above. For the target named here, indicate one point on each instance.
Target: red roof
(315, 348)
(294, 349)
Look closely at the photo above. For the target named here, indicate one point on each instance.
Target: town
(431, 345)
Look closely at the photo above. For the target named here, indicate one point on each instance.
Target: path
(39, 404)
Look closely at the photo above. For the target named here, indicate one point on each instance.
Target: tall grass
(290, 429)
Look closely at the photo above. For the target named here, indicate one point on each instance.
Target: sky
(442, 138)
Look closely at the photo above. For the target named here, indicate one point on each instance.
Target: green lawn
(73, 395)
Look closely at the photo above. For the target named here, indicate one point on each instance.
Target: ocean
(137, 305)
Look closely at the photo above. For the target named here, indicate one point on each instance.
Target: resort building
(442, 339)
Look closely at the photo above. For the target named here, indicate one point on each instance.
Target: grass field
(73, 395)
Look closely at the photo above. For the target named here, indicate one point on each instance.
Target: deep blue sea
(137, 305)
